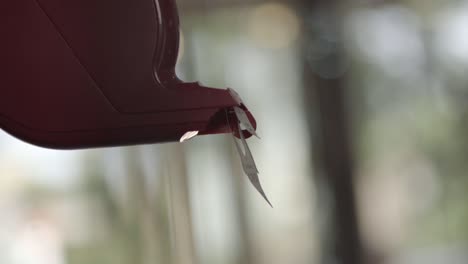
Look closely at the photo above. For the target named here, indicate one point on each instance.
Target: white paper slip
(248, 164)
(244, 121)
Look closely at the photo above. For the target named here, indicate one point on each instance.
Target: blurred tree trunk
(245, 244)
(147, 230)
(324, 90)
(183, 247)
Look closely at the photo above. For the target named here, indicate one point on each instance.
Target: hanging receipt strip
(248, 163)
(238, 120)
(244, 121)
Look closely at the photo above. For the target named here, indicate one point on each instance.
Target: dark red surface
(87, 73)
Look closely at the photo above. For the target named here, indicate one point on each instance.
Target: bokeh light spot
(273, 26)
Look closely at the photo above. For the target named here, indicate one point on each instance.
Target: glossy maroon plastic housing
(88, 73)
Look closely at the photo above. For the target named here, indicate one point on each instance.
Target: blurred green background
(362, 108)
